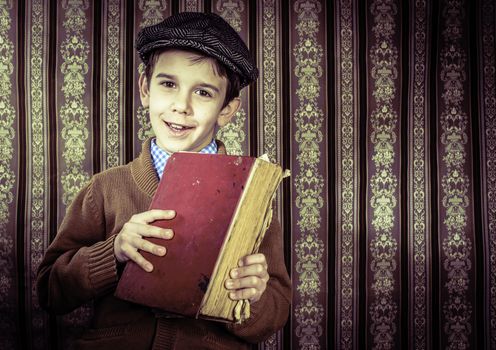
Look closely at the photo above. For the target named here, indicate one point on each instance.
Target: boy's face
(185, 99)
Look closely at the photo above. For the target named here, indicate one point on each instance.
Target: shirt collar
(160, 157)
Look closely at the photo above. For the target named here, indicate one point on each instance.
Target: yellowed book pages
(251, 220)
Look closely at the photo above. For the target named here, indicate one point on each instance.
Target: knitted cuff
(102, 266)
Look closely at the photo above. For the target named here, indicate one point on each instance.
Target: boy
(195, 65)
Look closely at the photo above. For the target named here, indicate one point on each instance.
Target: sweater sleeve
(79, 265)
(270, 313)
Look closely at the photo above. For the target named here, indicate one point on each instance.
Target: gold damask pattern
(308, 181)
(74, 114)
(7, 176)
(487, 101)
(25, 56)
(347, 175)
(231, 11)
(74, 118)
(191, 5)
(455, 183)
(153, 11)
(269, 84)
(233, 134)
(383, 182)
(113, 87)
(419, 231)
(37, 217)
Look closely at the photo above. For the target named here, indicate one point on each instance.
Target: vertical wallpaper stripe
(419, 231)
(269, 82)
(455, 178)
(235, 135)
(487, 111)
(408, 260)
(383, 137)
(308, 169)
(112, 113)
(269, 106)
(74, 105)
(146, 13)
(74, 123)
(38, 213)
(347, 182)
(8, 163)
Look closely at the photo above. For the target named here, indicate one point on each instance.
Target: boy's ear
(144, 90)
(228, 112)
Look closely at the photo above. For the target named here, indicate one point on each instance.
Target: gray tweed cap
(205, 32)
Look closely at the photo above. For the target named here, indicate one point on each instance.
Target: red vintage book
(207, 192)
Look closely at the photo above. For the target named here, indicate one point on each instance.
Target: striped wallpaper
(385, 112)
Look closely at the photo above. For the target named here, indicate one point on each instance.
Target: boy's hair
(233, 80)
(206, 33)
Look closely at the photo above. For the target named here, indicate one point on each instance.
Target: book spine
(246, 238)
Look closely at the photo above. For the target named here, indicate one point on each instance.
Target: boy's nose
(181, 103)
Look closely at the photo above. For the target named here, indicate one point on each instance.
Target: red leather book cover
(204, 190)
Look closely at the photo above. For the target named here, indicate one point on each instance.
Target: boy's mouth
(176, 128)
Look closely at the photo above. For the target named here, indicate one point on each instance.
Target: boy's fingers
(157, 232)
(148, 230)
(142, 244)
(246, 282)
(129, 239)
(138, 259)
(258, 270)
(248, 293)
(253, 259)
(153, 215)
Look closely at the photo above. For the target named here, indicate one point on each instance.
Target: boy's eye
(203, 93)
(169, 84)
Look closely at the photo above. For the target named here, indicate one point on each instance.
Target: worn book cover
(216, 199)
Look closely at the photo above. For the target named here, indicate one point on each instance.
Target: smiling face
(185, 97)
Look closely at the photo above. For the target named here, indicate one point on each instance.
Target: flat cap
(205, 32)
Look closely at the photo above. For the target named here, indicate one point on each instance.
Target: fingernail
(171, 213)
(161, 250)
(149, 267)
(232, 295)
(168, 233)
(229, 284)
(234, 273)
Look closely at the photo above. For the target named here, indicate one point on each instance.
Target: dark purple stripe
(457, 262)
(383, 181)
(97, 39)
(22, 301)
(52, 146)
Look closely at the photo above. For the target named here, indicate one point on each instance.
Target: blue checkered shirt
(160, 157)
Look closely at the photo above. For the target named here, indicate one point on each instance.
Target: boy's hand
(249, 280)
(130, 238)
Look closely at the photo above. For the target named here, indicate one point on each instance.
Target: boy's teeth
(175, 126)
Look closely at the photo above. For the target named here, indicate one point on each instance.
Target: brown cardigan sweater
(80, 266)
